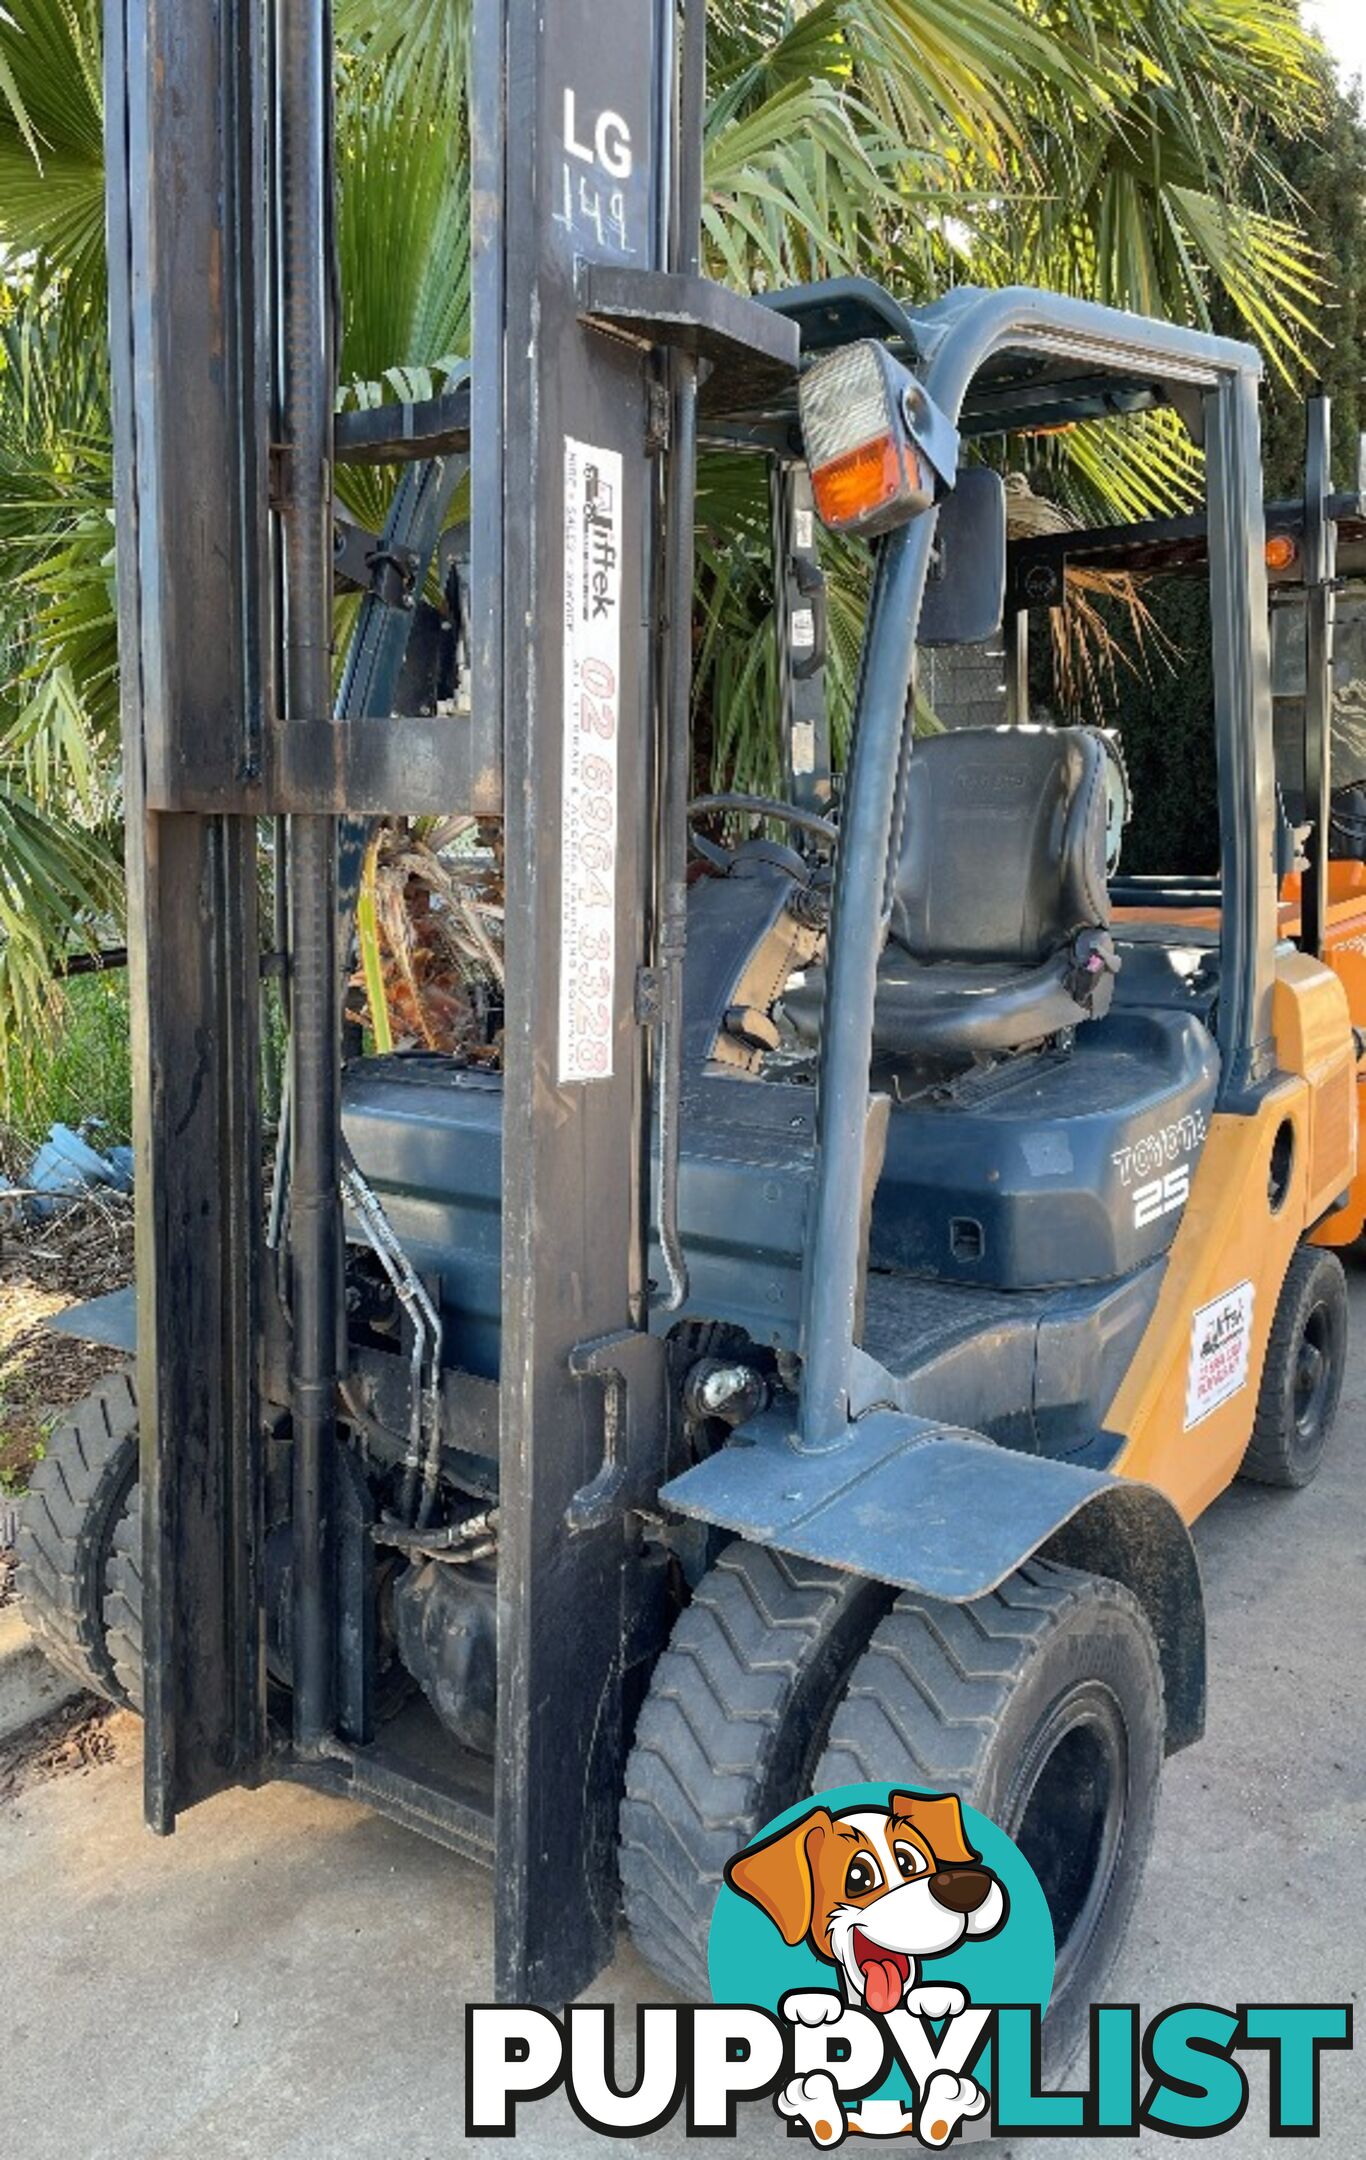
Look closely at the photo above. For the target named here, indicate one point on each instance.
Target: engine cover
(1071, 1167)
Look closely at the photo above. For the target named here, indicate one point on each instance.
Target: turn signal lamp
(875, 445)
(1281, 552)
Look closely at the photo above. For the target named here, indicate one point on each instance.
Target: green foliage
(1101, 149)
(84, 1071)
(1329, 172)
(60, 875)
(1166, 718)
(1165, 715)
(58, 657)
(52, 149)
(1131, 150)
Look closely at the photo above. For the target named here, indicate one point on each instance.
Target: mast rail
(408, 765)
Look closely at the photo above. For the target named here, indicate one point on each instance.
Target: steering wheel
(766, 806)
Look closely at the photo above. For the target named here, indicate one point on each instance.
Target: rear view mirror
(966, 590)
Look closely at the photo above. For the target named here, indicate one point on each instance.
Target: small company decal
(592, 686)
(1221, 1349)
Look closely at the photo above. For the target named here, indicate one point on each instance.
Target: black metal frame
(192, 430)
(1328, 528)
(573, 1215)
(959, 339)
(801, 628)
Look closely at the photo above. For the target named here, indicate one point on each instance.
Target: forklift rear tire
(81, 1490)
(1302, 1377)
(1041, 1705)
(736, 1716)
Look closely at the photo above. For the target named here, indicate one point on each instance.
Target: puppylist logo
(884, 1910)
(880, 1962)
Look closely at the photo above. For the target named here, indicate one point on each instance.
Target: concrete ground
(286, 1978)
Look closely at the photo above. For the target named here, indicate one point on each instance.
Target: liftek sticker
(592, 684)
(1221, 1353)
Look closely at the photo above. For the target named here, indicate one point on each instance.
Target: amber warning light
(860, 410)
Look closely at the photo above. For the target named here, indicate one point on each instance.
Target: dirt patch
(72, 1741)
(44, 1268)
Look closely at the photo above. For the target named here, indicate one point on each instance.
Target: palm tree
(1101, 146)
(60, 881)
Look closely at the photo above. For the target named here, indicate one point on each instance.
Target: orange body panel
(1344, 946)
(1234, 1245)
(1344, 949)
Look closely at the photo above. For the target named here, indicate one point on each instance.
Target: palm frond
(1103, 630)
(51, 147)
(416, 53)
(58, 882)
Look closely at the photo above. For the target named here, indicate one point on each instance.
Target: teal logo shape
(879, 1859)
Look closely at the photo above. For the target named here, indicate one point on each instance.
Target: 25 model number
(1163, 1197)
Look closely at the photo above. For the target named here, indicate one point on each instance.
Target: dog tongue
(882, 1985)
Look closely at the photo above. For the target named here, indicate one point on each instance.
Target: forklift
(801, 1356)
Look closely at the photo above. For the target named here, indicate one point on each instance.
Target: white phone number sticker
(592, 682)
(1220, 1353)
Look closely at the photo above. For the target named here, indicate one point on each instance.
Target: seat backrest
(1003, 855)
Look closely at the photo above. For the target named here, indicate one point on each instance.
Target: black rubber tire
(77, 1497)
(123, 1602)
(1297, 1402)
(736, 1714)
(1042, 1706)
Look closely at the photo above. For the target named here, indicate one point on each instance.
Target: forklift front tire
(1302, 1377)
(123, 1603)
(729, 1733)
(81, 1490)
(1041, 1705)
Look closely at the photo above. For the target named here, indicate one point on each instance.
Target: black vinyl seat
(1000, 928)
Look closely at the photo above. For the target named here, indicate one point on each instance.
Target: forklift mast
(579, 427)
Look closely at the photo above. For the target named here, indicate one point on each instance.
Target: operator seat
(1000, 927)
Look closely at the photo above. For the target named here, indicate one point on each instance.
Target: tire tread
(947, 1730)
(1269, 1458)
(123, 1603)
(944, 1733)
(709, 1731)
(78, 1492)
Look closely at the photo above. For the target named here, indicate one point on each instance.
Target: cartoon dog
(873, 1890)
